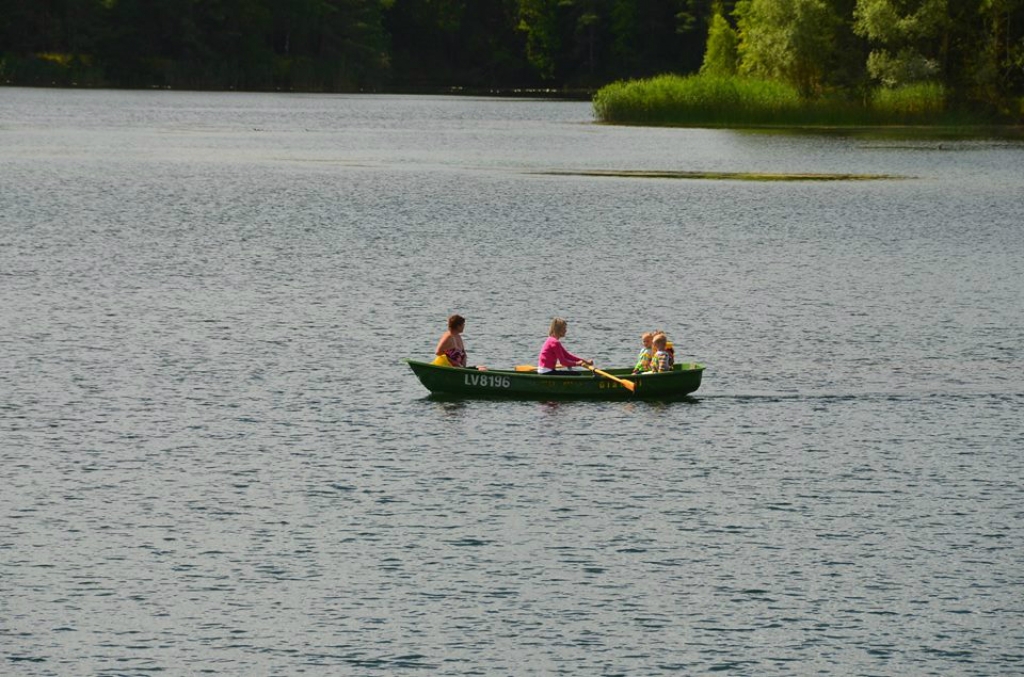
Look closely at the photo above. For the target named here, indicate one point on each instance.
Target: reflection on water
(213, 455)
(451, 408)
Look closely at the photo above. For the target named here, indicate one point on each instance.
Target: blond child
(663, 360)
(643, 360)
(669, 348)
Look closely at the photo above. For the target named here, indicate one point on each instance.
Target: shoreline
(882, 131)
(572, 94)
(895, 130)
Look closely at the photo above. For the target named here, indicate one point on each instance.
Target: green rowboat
(471, 383)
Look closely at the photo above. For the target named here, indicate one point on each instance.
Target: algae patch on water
(717, 176)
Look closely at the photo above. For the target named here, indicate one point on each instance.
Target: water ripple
(214, 462)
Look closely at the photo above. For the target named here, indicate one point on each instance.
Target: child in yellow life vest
(643, 360)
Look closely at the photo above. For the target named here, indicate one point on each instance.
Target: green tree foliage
(586, 42)
(972, 49)
(846, 67)
(720, 56)
(788, 40)
(538, 20)
(346, 44)
(244, 44)
(49, 42)
(984, 59)
(672, 35)
(463, 43)
(908, 36)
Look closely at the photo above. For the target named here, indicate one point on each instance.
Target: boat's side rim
(622, 373)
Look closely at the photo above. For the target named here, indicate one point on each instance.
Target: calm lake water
(212, 459)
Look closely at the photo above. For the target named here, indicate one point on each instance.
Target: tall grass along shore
(731, 101)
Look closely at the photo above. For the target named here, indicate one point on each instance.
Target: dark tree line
(344, 45)
(974, 47)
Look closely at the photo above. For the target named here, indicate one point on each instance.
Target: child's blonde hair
(558, 327)
(647, 336)
(660, 341)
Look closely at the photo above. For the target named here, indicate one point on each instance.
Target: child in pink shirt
(552, 353)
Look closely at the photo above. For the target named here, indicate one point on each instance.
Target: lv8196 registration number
(488, 380)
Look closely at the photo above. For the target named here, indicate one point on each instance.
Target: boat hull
(499, 383)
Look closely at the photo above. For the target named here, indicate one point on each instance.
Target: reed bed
(911, 103)
(696, 99)
(717, 101)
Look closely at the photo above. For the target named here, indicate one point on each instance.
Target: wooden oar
(628, 385)
(529, 367)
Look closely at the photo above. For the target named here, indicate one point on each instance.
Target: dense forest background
(973, 48)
